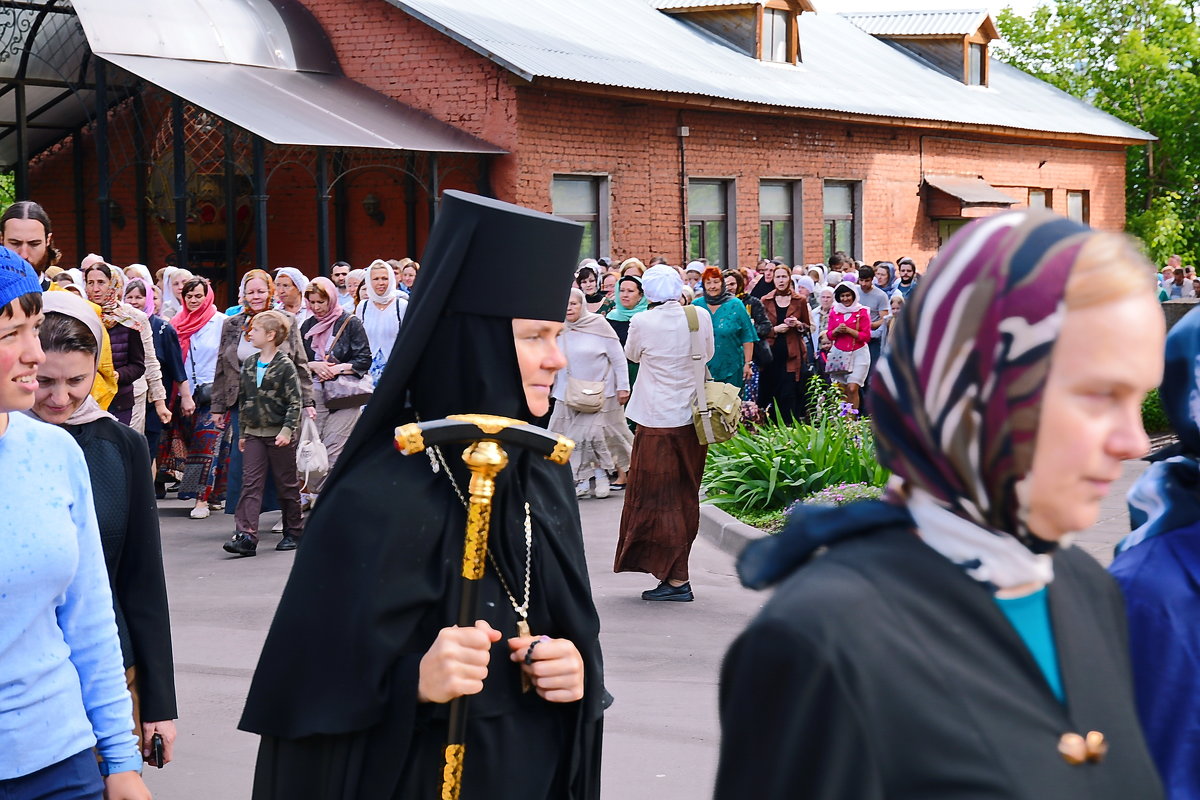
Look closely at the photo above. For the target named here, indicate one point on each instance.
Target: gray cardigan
(229, 366)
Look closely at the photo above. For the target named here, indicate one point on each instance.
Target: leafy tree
(1139, 60)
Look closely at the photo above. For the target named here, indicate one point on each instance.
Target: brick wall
(636, 145)
(380, 46)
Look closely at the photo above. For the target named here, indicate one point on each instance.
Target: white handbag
(311, 456)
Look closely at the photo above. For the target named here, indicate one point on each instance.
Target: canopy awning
(290, 107)
(264, 65)
(970, 191)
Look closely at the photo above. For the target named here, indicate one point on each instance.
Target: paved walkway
(661, 660)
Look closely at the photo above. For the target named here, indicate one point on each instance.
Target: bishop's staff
(485, 458)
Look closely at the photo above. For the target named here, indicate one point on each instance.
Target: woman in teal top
(733, 331)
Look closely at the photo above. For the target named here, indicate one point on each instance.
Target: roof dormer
(955, 42)
(765, 30)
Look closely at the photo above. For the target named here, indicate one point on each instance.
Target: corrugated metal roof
(918, 23)
(309, 109)
(972, 191)
(630, 44)
(265, 65)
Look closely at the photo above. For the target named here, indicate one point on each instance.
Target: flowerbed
(759, 473)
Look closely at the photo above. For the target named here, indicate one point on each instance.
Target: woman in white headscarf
(602, 439)
(290, 286)
(381, 314)
(662, 509)
(172, 283)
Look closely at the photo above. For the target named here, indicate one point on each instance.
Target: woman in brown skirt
(662, 505)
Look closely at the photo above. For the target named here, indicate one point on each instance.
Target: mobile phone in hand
(156, 750)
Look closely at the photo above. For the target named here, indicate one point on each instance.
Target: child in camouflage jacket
(269, 406)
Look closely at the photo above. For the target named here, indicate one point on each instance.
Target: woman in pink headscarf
(338, 350)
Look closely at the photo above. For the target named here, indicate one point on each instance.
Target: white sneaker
(278, 526)
(200, 512)
(583, 489)
(602, 487)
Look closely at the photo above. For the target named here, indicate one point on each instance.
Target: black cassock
(881, 670)
(335, 692)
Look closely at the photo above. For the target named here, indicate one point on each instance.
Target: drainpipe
(682, 132)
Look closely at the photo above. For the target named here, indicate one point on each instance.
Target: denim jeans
(74, 778)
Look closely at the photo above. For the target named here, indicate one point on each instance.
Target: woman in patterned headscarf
(951, 642)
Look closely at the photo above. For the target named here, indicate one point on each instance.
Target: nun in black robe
(335, 693)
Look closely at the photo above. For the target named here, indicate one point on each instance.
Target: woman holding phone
(64, 700)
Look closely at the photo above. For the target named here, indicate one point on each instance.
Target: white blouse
(666, 381)
(201, 362)
(592, 358)
(382, 324)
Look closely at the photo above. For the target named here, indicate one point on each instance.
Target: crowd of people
(1000, 439)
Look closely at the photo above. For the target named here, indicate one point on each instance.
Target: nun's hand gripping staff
(485, 437)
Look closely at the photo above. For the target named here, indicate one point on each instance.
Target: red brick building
(730, 130)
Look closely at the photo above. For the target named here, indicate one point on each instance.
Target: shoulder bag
(717, 408)
(202, 393)
(312, 457)
(839, 362)
(584, 397)
(346, 391)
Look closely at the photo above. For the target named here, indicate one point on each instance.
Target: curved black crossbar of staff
(486, 437)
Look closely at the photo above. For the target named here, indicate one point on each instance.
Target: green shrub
(1154, 416)
(777, 464)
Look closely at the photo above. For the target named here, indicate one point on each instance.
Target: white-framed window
(1077, 206)
(841, 217)
(776, 28)
(709, 217)
(977, 64)
(584, 199)
(777, 219)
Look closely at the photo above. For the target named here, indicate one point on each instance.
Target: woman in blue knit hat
(62, 679)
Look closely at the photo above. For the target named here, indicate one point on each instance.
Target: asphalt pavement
(662, 660)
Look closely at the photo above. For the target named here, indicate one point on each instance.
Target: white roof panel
(918, 23)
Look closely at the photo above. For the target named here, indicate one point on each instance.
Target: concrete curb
(725, 531)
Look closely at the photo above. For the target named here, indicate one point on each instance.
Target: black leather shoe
(665, 591)
(241, 544)
(288, 542)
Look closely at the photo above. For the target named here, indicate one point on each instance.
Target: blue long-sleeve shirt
(62, 680)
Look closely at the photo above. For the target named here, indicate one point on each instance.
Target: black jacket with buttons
(881, 671)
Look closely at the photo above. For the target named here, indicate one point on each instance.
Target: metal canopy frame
(55, 92)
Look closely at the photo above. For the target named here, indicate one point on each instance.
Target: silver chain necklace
(521, 609)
